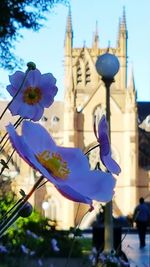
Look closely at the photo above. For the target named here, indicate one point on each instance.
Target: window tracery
(97, 114)
(87, 74)
(53, 211)
(79, 73)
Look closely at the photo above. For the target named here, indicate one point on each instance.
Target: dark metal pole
(108, 218)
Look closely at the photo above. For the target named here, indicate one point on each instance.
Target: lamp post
(107, 66)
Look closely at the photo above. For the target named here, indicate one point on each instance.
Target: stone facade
(71, 124)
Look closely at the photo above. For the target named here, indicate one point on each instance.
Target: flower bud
(31, 65)
(26, 210)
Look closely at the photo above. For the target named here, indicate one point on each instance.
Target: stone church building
(71, 124)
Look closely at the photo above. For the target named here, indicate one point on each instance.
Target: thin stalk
(14, 214)
(1, 149)
(91, 149)
(16, 124)
(74, 237)
(42, 184)
(8, 223)
(14, 206)
(3, 168)
(128, 230)
(72, 244)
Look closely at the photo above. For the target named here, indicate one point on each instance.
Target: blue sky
(46, 48)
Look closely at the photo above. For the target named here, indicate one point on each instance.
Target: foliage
(35, 234)
(6, 202)
(17, 14)
(86, 244)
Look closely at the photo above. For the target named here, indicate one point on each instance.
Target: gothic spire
(69, 22)
(123, 25)
(96, 37)
(123, 34)
(124, 15)
(69, 34)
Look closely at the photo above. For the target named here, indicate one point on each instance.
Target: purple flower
(40, 262)
(54, 245)
(105, 149)
(27, 251)
(36, 93)
(67, 168)
(30, 233)
(3, 249)
(24, 249)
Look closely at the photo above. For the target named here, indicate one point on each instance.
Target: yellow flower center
(54, 163)
(32, 95)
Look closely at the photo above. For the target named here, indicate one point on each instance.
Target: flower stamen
(32, 95)
(54, 163)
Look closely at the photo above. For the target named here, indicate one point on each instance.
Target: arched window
(94, 157)
(97, 113)
(87, 74)
(79, 73)
(53, 210)
(54, 120)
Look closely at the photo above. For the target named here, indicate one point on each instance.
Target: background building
(71, 124)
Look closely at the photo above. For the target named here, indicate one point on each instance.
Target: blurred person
(141, 217)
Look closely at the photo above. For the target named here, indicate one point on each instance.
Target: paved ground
(137, 257)
(130, 245)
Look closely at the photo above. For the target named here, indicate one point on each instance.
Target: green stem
(74, 237)
(12, 208)
(15, 205)
(16, 124)
(8, 223)
(3, 168)
(14, 215)
(91, 149)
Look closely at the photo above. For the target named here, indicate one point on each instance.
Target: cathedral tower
(85, 97)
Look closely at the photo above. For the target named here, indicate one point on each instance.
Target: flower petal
(39, 134)
(49, 89)
(48, 96)
(15, 106)
(16, 80)
(95, 185)
(110, 164)
(39, 110)
(105, 149)
(26, 153)
(75, 159)
(33, 78)
(103, 136)
(73, 195)
(37, 92)
(11, 90)
(47, 80)
(26, 111)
